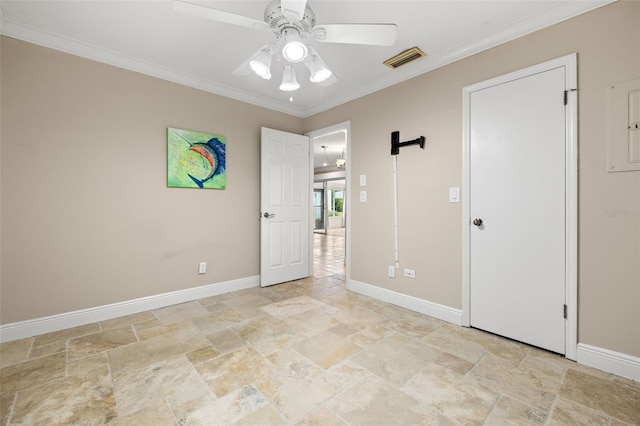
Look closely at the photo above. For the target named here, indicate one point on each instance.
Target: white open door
(284, 207)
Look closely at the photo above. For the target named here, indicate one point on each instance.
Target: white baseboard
(22, 329)
(435, 310)
(617, 363)
(612, 362)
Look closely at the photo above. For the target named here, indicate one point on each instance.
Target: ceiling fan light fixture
(318, 69)
(261, 64)
(294, 50)
(289, 82)
(292, 21)
(340, 162)
(321, 75)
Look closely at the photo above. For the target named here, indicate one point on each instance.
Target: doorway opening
(330, 201)
(329, 233)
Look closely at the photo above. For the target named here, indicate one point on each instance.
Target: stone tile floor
(307, 352)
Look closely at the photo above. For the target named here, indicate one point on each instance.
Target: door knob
(269, 216)
(477, 222)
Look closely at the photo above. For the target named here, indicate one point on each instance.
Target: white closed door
(517, 209)
(284, 207)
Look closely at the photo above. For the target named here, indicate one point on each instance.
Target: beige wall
(608, 45)
(87, 219)
(0, 180)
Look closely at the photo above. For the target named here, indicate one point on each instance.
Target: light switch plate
(363, 196)
(391, 273)
(363, 180)
(454, 195)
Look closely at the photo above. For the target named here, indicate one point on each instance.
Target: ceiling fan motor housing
(278, 21)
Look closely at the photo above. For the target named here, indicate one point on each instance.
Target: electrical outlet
(392, 272)
(202, 269)
(409, 273)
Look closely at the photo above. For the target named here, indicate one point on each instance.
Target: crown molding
(88, 51)
(564, 11)
(551, 17)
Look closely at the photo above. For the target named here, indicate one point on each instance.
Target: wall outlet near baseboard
(202, 268)
(409, 273)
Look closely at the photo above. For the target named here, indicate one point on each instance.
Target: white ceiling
(149, 37)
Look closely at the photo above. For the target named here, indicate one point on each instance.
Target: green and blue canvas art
(196, 160)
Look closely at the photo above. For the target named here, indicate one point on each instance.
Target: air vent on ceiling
(405, 57)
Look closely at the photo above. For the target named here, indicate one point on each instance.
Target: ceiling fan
(293, 21)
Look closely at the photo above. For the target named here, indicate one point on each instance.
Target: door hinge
(564, 311)
(566, 95)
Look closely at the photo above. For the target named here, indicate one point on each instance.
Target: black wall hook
(396, 144)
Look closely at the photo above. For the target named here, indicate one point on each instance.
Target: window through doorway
(318, 210)
(328, 206)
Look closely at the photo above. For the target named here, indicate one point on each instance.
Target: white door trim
(346, 125)
(571, 182)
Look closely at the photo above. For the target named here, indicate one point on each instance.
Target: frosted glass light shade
(293, 50)
(289, 82)
(317, 67)
(261, 64)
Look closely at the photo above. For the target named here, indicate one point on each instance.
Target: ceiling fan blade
(198, 11)
(376, 34)
(293, 9)
(329, 81)
(243, 69)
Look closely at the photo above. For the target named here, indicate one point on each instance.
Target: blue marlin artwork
(195, 160)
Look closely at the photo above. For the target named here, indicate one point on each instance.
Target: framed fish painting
(196, 160)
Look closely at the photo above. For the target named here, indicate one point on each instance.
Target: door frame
(569, 62)
(346, 126)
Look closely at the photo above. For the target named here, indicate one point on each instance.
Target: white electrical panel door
(623, 126)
